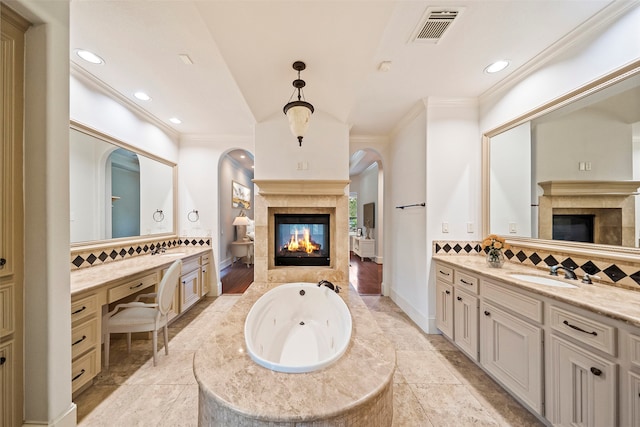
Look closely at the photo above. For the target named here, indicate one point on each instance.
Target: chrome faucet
(329, 285)
(587, 278)
(568, 272)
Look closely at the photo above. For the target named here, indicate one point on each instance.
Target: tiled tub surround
(106, 253)
(620, 274)
(356, 390)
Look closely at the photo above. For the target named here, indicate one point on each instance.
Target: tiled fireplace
(287, 197)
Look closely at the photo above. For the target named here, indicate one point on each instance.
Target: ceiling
(242, 53)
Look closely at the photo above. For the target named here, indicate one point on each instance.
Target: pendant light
(299, 112)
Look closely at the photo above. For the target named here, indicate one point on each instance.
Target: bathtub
(297, 327)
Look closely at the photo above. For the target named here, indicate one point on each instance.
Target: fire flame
(303, 244)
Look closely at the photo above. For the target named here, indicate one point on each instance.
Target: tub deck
(356, 390)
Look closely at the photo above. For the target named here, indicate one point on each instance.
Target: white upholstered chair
(143, 317)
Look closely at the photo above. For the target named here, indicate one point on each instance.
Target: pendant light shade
(298, 112)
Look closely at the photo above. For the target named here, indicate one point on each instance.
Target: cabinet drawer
(131, 287)
(521, 304)
(466, 282)
(444, 273)
(84, 307)
(190, 265)
(84, 369)
(588, 331)
(84, 336)
(205, 259)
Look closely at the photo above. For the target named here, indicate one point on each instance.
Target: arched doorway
(236, 193)
(366, 192)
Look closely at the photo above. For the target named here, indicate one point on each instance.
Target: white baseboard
(428, 325)
(66, 419)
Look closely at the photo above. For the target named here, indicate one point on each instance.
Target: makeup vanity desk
(94, 289)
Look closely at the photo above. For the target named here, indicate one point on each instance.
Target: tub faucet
(157, 250)
(329, 285)
(568, 272)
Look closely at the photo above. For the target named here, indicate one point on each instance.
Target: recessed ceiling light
(142, 96)
(89, 56)
(497, 66)
(175, 120)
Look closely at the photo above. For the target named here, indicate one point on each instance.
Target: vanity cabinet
(582, 378)
(205, 275)
(512, 341)
(364, 248)
(444, 308)
(465, 323)
(86, 324)
(189, 285)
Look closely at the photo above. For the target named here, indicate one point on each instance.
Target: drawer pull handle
(80, 310)
(84, 337)
(447, 292)
(79, 375)
(136, 286)
(487, 313)
(446, 274)
(465, 282)
(595, 371)
(2, 262)
(2, 360)
(594, 333)
(459, 298)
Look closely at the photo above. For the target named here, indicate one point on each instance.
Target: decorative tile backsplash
(122, 251)
(618, 274)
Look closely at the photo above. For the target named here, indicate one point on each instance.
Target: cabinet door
(189, 289)
(7, 409)
(444, 308)
(205, 286)
(511, 350)
(582, 385)
(465, 323)
(634, 398)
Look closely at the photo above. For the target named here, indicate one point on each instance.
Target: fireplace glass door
(302, 239)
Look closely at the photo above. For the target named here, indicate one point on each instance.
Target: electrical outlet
(513, 228)
(582, 166)
(588, 166)
(469, 227)
(445, 227)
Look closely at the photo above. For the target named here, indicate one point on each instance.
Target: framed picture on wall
(240, 196)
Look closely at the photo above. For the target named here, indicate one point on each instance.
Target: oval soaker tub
(297, 327)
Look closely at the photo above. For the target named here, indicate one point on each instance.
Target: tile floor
(434, 385)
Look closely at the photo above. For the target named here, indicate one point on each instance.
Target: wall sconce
(299, 112)
(241, 221)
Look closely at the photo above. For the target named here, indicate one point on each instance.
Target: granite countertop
(607, 300)
(226, 373)
(86, 279)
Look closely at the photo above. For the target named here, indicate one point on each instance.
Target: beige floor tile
(409, 338)
(462, 367)
(378, 303)
(392, 320)
(175, 368)
(452, 405)
(184, 410)
(423, 367)
(505, 409)
(407, 410)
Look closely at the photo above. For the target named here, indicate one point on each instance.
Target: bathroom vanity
(94, 289)
(570, 354)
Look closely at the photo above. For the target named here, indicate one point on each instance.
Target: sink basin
(538, 280)
(172, 254)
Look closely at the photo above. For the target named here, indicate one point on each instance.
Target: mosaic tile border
(120, 252)
(620, 275)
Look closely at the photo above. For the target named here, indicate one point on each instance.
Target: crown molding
(417, 109)
(582, 32)
(440, 102)
(95, 83)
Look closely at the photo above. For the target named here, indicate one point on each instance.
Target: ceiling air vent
(434, 24)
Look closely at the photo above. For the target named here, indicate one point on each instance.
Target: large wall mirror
(568, 174)
(117, 192)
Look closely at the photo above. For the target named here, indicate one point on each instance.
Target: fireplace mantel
(590, 188)
(301, 187)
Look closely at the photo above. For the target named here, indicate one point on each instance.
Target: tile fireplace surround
(288, 196)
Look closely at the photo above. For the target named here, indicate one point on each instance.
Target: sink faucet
(329, 285)
(158, 250)
(568, 272)
(587, 278)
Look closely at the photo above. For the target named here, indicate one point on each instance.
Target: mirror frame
(93, 244)
(591, 249)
